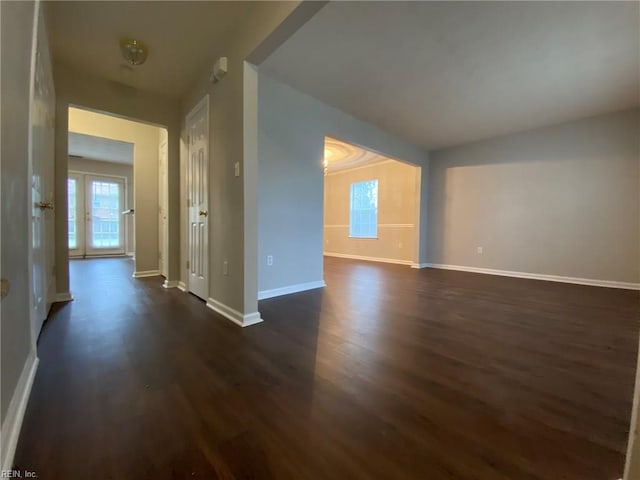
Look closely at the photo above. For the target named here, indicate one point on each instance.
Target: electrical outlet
(479, 250)
(269, 260)
(236, 169)
(225, 268)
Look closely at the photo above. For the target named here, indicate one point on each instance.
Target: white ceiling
(446, 73)
(181, 37)
(99, 148)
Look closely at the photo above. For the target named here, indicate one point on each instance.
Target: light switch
(237, 169)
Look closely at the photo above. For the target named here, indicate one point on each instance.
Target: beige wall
(145, 175)
(560, 200)
(111, 168)
(80, 89)
(398, 207)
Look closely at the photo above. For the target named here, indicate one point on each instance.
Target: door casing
(163, 240)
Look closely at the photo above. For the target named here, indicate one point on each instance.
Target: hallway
(388, 372)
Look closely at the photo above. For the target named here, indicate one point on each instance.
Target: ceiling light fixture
(134, 52)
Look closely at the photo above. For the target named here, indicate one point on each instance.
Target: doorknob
(45, 205)
(203, 213)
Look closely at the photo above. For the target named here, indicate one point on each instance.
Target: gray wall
(17, 28)
(291, 131)
(111, 168)
(560, 200)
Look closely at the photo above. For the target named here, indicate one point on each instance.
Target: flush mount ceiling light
(134, 52)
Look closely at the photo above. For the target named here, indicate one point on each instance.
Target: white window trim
(351, 210)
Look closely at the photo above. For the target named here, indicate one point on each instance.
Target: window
(363, 213)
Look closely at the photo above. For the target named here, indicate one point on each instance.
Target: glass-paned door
(103, 215)
(95, 221)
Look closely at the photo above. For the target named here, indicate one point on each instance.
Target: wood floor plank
(387, 373)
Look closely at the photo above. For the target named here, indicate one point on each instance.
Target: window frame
(353, 231)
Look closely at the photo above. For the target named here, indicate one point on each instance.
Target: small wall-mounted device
(219, 70)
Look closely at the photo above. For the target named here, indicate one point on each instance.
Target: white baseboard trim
(368, 259)
(540, 276)
(130, 254)
(244, 320)
(15, 412)
(419, 265)
(63, 297)
(299, 287)
(182, 286)
(146, 273)
(170, 284)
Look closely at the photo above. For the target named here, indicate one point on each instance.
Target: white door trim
(163, 210)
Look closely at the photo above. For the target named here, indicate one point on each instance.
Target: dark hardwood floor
(387, 373)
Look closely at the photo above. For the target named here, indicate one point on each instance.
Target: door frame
(82, 251)
(163, 197)
(203, 102)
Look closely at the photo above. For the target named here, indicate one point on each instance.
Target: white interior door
(41, 142)
(104, 224)
(38, 277)
(198, 198)
(164, 205)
